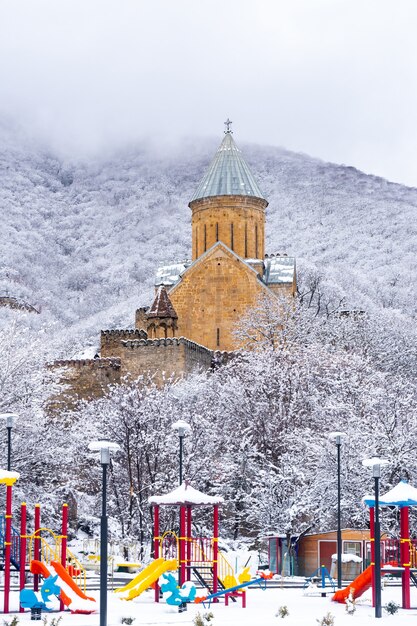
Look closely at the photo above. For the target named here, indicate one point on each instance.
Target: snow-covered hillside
(82, 239)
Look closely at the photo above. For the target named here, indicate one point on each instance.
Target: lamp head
(104, 447)
(376, 463)
(337, 436)
(182, 427)
(10, 419)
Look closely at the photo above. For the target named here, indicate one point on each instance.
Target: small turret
(161, 316)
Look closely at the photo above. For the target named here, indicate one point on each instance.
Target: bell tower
(228, 205)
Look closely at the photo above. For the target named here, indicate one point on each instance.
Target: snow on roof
(169, 275)
(401, 495)
(279, 269)
(185, 494)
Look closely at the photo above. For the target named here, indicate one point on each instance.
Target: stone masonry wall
(110, 340)
(84, 380)
(163, 358)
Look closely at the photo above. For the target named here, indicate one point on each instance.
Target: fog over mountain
(82, 239)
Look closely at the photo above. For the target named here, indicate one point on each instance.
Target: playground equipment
(236, 591)
(43, 557)
(146, 578)
(31, 600)
(361, 584)
(175, 596)
(323, 574)
(198, 555)
(402, 496)
(70, 594)
(7, 478)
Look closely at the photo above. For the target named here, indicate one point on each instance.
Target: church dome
(228, 174)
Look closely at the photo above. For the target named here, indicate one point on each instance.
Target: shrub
(391, 607)
(327, 620)
(204, 619)
(282, 611)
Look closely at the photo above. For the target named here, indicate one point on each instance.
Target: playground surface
(261, 610)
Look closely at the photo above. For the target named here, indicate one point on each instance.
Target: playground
(189, 574)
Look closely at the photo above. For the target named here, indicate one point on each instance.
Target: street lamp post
(376, 464)
(337, 437)
(182, 427)
(10, 419)
(104, 447)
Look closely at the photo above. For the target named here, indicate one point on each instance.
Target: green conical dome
(228, 174)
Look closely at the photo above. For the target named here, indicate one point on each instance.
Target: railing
(49, 552)
(199, 553)
(202, 553)
(130, 549)
(391, 551)
(15, 539)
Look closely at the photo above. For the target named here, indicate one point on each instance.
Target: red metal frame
(8, 547)
(156, 539)
(37, 544)
(64, 539)
(23, 537)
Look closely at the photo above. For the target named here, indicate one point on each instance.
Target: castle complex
(197, 303)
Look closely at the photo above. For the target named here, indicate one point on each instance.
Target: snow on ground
(261, 610)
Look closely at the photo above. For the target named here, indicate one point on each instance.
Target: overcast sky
(336, 79)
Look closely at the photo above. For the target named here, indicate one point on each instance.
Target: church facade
(197, 303)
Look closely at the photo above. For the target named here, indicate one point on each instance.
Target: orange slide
(358, 586)
(71, 595)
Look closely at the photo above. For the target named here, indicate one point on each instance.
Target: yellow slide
(146, 577)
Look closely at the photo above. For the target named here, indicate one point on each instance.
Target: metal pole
(339, 528)
(9, 447)
(22, 557)
(378, 608)
(64, 541)
(181, 439)
(103, 550)
(7, 547)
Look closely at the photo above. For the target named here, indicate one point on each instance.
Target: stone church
(197, 303)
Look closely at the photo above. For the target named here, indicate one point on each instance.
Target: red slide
(71, 595)
(358, 586)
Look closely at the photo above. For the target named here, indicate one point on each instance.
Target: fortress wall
(84, 379)
(110, 340)
(163, 358)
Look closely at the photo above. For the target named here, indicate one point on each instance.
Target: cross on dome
(228, 124)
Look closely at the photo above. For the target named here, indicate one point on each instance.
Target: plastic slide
(146, 578)
(358, 586)
(71, 595)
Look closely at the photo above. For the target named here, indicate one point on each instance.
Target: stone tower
(228, 206)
